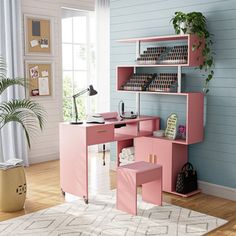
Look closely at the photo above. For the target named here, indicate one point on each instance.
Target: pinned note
(43, 86)
(44, 73)
(34, 43)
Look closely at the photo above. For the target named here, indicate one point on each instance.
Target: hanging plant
(195, 23)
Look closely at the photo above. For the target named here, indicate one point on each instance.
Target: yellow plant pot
(12, 189)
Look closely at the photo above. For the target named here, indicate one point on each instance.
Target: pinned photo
(34, 72)
(43, 43)
(35, 92)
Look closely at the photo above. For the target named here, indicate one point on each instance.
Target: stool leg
(126, 194)
(152, 191)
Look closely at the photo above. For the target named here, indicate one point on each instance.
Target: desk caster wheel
(85, 200)
(63, 193)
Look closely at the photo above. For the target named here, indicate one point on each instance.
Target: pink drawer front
(100, 134)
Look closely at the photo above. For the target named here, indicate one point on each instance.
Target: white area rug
(100, 217)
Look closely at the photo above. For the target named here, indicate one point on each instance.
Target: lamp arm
(80, 93)
(74, 101)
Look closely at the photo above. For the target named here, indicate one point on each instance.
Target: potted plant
(195, 23)
(26, 112)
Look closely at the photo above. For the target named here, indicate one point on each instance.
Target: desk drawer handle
(101, 131)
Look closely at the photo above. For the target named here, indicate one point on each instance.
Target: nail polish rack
(139, 82)
(164, 82)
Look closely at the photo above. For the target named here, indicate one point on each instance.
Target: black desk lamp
(92, 92)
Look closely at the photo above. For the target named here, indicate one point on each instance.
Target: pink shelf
(161, 93)
(156, 38)
(119, 137)
(155, 65)
(178, 141)
(188, 194)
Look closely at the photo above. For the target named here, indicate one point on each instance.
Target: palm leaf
(14, 118)
(25, 112)
(33, 108)
(6, 82)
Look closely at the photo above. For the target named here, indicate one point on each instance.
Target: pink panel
(194, 123)
(195, 57)
(129, 129)
(100, 134)
(120, 145)
(126, 194)
(150, 174)
(143, 148)
(163, 151)
(150, 125)
(123, 73)
(180, 157)
(152, 191)
(73, 160)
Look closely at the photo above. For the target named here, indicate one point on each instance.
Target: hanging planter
(195, 23)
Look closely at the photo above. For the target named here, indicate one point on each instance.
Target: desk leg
(74, 161)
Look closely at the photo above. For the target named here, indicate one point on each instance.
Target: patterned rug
(100, 217)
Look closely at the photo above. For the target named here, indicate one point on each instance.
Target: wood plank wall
(46, 145)
(215, 158)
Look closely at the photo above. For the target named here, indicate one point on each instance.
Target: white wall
(46, 145)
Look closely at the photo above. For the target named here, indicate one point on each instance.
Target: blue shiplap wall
(215, 158)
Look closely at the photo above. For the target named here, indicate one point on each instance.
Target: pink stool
(132, 175)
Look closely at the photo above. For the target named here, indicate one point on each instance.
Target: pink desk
(75, 139)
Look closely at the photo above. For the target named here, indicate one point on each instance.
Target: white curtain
(12, 141)
(102, 11)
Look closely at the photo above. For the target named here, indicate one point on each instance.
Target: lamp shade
(92, 91)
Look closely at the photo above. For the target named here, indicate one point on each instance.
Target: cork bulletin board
(39, 75)
(38, 35)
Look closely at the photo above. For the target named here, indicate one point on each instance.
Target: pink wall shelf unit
(171, 154)
(194, 56)
(166, 58)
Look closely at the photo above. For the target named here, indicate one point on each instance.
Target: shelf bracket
(138, 104)
(179, 78)
(138, 49)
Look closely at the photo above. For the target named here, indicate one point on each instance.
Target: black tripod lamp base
(76, 122)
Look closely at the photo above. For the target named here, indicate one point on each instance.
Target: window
(78, 60)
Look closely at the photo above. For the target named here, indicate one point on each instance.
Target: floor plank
(44, 191)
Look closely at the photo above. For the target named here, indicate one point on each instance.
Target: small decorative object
(159, 133)
(171, 126)
(182, 132)
(38, 35)
(195, 23)
(187, 179)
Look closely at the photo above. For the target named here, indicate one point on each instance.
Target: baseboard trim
(207, 188)
(217, 190)
(39, 159)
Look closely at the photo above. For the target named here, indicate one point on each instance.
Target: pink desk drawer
(100, 134)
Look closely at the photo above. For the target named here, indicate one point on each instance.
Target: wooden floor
(44, 191)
